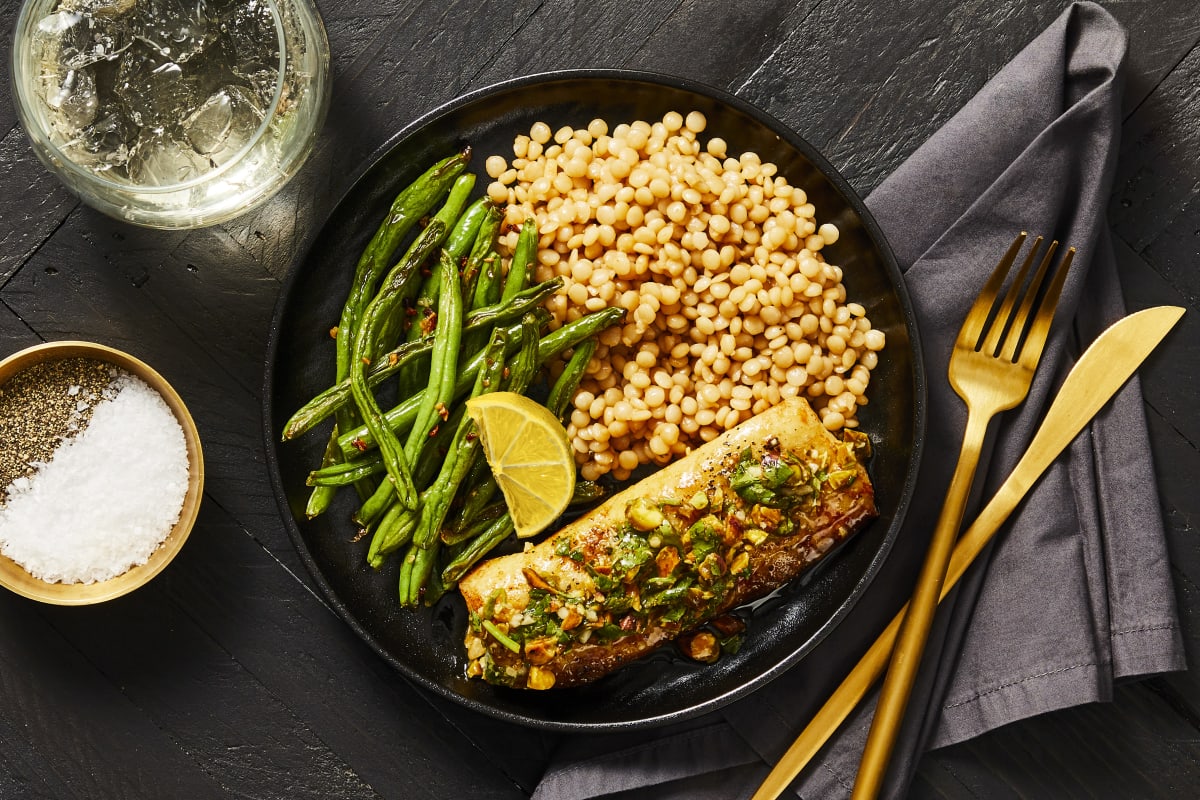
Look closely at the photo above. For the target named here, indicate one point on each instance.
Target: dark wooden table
(228, 676)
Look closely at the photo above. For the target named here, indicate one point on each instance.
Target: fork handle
(914, 631)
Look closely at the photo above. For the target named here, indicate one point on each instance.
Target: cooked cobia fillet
(727, 524)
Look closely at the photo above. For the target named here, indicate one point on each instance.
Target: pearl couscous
(716, 259)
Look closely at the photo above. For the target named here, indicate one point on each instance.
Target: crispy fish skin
(727, 524)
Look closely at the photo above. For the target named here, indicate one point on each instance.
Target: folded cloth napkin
(1076, 590)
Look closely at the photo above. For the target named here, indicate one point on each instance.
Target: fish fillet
(725, 525)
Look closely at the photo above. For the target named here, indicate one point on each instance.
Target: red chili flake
(628, 622)
(442, 411)
(505, 372)
(392, 359)
(359, 445)
(333, 332)
(433, 431)
(429, 322)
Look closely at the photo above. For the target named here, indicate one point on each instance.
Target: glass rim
(32, 121)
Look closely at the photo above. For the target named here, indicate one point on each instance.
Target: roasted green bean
(324, 404)
(394, 457)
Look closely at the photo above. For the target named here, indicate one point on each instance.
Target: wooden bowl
(13, 576)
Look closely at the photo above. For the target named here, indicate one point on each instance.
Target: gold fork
(991, 369)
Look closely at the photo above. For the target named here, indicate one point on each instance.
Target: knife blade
(1102, 370)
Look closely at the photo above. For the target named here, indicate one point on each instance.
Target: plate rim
(890, 264)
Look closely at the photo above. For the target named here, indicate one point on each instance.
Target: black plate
(426, 645)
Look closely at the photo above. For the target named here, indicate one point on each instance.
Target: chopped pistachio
(644, 515)
(539, 678)
(755, 536)
(701, 646)
(840, 478)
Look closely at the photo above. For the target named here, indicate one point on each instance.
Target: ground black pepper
(42, 405)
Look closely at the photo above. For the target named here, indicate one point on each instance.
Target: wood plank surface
(231, 676)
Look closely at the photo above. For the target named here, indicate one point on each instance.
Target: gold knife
(1100, 372)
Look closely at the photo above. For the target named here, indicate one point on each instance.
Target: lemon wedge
(527, 449)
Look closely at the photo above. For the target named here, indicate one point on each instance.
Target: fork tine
(972, 326)
(1039, 330)
(1013, 339)
(1001, 323)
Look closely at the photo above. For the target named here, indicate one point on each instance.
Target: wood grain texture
(230, 675)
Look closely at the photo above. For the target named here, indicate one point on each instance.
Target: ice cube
(224, 123)
(105, 144)
(160, 159)
(71, 94)
(176, 29)
(75, 39)
(249, 31)
(155, 90)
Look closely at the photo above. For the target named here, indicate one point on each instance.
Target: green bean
(522, 258)
(396, 530)
(563, 390)
(485, 240)
(419, 561)
(394, 457)
(374, 505)
(458, 242)
(407, 209)
(434, 400)
(464, 234)
(443, 363)
(525, 365)
(551, 344)
(475, 516)
(413, 203)
(403, 420)
(403, 415)
(406, 568)
(321, 497)
(578, 330)
(490, 281)
(346, 472)
(435, 501)
(495, 533)
(324, 404)
(435, 588)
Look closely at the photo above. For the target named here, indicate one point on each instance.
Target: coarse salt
(107, 498)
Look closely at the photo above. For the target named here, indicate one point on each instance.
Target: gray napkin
(1076, 591)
